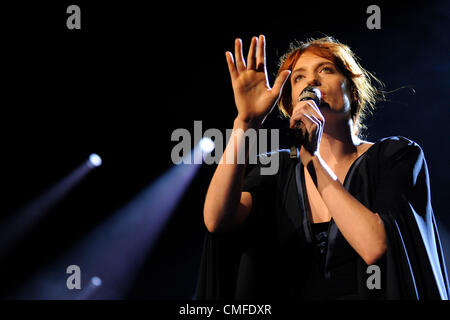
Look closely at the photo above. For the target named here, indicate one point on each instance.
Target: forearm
(224, 192)
(362, 228)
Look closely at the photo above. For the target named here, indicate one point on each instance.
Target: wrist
(307, 158)
(317, 160)
(244, 124)
(319, 170)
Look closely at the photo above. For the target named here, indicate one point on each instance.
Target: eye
(327, 70)
(298, 78)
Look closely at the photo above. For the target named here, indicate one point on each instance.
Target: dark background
(135, 72)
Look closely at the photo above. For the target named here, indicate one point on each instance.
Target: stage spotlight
(206, 144)
(113, 253)
(19, 223)
(96, 281)
(95, 160)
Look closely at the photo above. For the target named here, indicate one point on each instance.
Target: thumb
(279, 82)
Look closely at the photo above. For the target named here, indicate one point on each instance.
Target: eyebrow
(317, 66)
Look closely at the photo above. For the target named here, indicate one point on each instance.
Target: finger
(296, 119)
(240, 63)
(313, 126)
(311, 107)
(251, 58)
(296, 124)
(280, 82)
(261, 53)
(231, 66)
(316, 110)
(309, 123)
(304, 117)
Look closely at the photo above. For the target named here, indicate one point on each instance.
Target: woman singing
(342, 219)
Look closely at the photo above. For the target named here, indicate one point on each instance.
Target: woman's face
(322, 73)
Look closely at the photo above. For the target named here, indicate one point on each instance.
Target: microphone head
(298, 134)
(311, 93)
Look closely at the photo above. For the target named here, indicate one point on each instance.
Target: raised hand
(253, 95)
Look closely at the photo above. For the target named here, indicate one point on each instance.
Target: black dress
(274, 253)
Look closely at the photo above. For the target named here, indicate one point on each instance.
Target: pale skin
(332, 143)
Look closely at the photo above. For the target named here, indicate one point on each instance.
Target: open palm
(253, 95)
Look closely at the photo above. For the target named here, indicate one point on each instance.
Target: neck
(339, 142)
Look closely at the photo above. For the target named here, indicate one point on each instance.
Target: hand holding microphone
(307, 121)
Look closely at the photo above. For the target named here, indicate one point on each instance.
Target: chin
(325, 107)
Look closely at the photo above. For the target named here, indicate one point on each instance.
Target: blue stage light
(96, 281)
(206, 144)
(95, 160)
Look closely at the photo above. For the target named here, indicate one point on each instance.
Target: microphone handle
(297, 136)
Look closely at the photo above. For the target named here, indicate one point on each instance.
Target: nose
(313, 82)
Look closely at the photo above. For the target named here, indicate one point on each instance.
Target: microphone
(297, 136)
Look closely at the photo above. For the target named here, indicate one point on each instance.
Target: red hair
(364, 93)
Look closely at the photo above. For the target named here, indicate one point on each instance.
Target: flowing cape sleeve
(414, 259)
(227, 262)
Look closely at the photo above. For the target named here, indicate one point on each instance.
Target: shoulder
(390, 146)
(394, 149)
